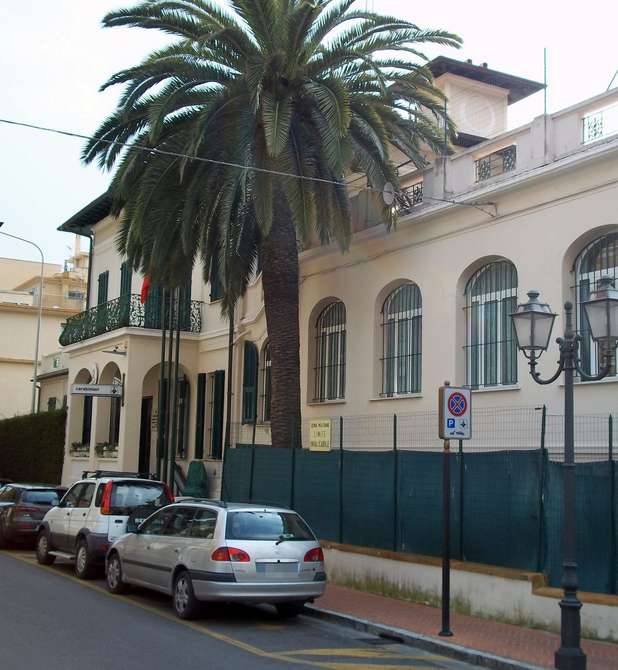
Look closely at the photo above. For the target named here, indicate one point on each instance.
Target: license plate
(276, 568)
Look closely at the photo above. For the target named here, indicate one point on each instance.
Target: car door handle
(176, 551)
(148, 546)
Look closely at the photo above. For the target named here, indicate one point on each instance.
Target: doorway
(145, 435)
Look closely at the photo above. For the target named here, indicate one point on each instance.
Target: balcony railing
(600, 124)
(127, 311)
(408, 197)
(496, 163)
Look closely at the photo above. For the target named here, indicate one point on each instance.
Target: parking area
(54, 620)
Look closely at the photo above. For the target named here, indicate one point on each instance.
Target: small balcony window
(496, 163)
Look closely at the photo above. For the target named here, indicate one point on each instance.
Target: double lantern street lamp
(533, 323)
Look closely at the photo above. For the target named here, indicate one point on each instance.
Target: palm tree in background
(257, 112)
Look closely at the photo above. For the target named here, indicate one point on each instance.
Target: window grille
(491, 347)
(266, 382)
(496, 163)
(402, 341)
(599, 258)
(330, 353)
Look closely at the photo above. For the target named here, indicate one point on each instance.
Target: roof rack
(88, 474)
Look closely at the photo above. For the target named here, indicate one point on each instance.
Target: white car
(93, 513)
(203, 550)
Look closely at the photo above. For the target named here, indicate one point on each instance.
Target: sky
(54, 56)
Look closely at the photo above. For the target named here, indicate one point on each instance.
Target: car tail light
(315, 555)
(230, 554)
(22, 512)
(169, 494)
(106, 500)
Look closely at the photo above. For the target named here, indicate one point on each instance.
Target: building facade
(385, 324)
(64, 295)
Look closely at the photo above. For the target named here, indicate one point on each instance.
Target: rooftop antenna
(613, 79)
(545, 104)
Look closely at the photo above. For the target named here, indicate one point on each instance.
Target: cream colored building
(64, 295)
(385, 324)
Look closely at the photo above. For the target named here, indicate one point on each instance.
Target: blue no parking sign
(455, 414)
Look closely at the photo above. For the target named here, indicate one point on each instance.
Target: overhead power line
(278, 173)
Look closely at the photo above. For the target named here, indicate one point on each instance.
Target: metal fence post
(251, 469)
(612, 508)
(293, 477)
(341, 479)
(541, 507)
(461, 501)
(395, 487)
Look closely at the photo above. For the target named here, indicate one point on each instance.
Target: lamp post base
(570, 655)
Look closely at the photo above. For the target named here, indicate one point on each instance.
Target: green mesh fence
(316, 492)
(506, 499)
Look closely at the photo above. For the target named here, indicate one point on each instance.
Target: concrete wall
(484, 590)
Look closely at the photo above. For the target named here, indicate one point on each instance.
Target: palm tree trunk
(280, 282)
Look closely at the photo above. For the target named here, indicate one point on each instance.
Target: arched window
(491, 348)
(266, 382)
(330, 353)
(598, 259)
(402, 341)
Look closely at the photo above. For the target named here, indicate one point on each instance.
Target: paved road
(52, 621)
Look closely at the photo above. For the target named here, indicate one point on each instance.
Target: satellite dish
(388, 194)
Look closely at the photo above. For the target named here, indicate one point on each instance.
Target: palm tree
(252, 119)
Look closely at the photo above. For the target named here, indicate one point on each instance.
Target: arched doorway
(107, 431)
(80, 423)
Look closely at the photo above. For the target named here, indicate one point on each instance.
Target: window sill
(606, 380)
(319, 403)
(401, 396)
(492, 389)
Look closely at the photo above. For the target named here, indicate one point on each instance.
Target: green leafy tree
(299, 94)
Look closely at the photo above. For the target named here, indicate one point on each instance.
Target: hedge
(32, 447)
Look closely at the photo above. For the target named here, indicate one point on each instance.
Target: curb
(401, 636)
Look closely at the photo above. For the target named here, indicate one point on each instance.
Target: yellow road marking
(284, 657)
(372, 666)
(362, 652)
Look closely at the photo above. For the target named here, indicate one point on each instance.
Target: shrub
(32, 447)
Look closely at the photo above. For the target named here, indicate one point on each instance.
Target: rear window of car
(126, 496)
(41, 497)
(261, 525)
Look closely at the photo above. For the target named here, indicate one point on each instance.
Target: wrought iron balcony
(128, 311)
(496, 163)
(408, 198)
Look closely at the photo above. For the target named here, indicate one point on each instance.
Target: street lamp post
(533, 322)
(38, 322)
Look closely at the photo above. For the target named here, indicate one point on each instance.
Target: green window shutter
(103, 287)
(51, 404)
(216, 287)
(249, 383)
(125, 279)
(201, 415)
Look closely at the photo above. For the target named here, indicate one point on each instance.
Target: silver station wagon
(203, 550)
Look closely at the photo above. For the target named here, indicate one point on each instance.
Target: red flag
(145, 289)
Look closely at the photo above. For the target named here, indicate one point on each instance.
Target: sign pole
(446, 541)
(455, 423)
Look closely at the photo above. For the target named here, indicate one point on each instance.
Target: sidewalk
(525, 645)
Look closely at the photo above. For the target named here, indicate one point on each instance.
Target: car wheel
(186, 605)
(42, 549)
(84, 568)
(289, 610)
(113, 575)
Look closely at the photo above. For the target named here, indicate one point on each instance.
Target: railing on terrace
(127, 311)
(600, 124)
(496, 163)
(408, 197)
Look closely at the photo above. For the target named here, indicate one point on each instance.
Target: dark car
(22, 508)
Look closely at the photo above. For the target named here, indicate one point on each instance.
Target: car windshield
(41, 497)
(263, 525)
(126, 496)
